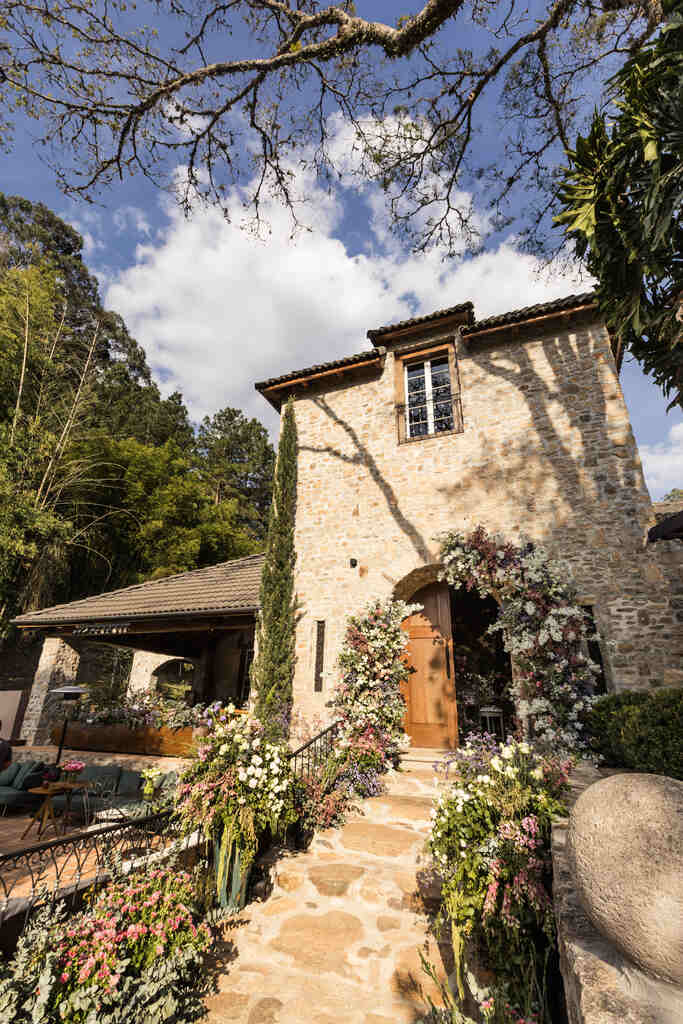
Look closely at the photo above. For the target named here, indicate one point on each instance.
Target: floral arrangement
(542, 627)
(238, 786)
(148, 712)
(490, 839)
(368, 701)
(151, 778)
(134, 955)
(73, 767)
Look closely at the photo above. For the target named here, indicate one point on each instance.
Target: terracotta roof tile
(528, 312)
(463, 307)
(359, 357)
(224, 588)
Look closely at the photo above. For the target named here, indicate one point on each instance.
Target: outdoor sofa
(110, 788)
(15, 782)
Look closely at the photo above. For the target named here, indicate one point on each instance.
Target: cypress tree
(273, 667)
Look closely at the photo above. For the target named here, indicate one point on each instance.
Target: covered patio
(205, 617)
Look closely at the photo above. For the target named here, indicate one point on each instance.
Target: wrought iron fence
(313, 753)
(63, 868)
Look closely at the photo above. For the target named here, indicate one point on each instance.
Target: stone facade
(58, 666)
(547, 451)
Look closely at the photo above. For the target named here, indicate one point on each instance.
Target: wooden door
(431, 717)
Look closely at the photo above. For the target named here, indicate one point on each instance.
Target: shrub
(135, 956)
(642, 731)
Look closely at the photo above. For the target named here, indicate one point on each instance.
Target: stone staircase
(338, 939)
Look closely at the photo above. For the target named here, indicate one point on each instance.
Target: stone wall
(547, 451)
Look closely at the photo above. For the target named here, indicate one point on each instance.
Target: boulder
(625, 847)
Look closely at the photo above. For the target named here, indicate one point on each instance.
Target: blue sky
(217, 309)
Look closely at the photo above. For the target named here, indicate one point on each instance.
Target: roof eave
(275, 393)
(457, 316)
(23, 622)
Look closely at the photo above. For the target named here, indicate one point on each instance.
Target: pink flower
(64, 977)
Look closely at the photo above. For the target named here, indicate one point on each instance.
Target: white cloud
(663, 463)
(217, 309)
(131, 217)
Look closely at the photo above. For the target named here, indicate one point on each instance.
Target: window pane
(416, 383)
(441, 377)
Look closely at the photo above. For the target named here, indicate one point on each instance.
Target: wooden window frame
(419, 354)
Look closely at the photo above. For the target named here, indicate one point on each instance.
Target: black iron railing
(64, 867)
(315, 752)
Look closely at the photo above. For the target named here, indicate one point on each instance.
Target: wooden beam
(323, 373)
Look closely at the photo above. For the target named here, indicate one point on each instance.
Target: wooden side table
(45, 814)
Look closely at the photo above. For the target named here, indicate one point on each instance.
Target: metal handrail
(316, 750)
(61, 868)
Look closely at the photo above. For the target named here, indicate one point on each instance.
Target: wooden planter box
(117, 739)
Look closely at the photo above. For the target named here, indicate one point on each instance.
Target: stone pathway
(338, 939)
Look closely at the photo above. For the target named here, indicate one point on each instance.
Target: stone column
(58, 666)
(144, 664)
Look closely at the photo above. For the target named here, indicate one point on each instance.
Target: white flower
(253, 783)
(242, 775)
(496, 764)
(223, 749)
(537, 773)
(510, 771)
(507, 753)
(525, 748)
(242, 800)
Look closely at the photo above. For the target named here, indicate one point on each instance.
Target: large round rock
(625, 848)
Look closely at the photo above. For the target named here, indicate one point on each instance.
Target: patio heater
(67, 693)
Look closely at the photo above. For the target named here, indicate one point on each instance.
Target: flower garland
(542, 627)
(368, 699)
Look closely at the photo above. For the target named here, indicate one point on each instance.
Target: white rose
(253, 783)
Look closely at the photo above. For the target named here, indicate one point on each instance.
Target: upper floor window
(428, 402)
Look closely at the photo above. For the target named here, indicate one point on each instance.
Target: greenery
(640, 730)
(490, 842)
(413, 94)
(144, 711)
(102, 482)
(136, 955)
(622, 199)
(541, 624)
(273, 666)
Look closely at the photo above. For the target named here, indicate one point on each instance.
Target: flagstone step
(338, 939)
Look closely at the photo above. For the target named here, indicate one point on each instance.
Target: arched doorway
(457, 667)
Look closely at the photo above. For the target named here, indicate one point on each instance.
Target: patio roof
(224, 589)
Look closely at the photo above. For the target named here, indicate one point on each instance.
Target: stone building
(516, 422)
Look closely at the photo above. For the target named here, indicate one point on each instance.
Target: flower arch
(542, 627)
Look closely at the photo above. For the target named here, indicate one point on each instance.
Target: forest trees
(102, 481)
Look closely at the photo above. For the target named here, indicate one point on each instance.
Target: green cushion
(26, 768)
(107, 774)
(129, 783)
(7, 777)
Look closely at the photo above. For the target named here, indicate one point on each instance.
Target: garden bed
(121, 739)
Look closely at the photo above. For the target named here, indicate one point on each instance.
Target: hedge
(641, 731)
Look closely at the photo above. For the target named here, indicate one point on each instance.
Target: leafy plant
(135, 955)
(642, 731)
(490, 840)
(622, 198)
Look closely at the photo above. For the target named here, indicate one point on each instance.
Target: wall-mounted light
(353, 562)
